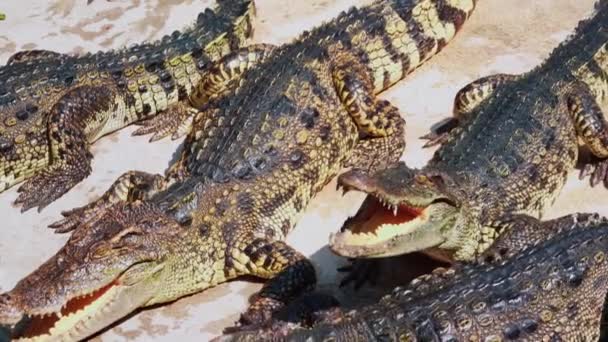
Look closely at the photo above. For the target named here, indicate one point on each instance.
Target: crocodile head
(405, 211)
(108, 268)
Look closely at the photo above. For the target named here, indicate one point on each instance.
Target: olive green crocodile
(516, 141)
(53, 106)
(550, 288)
(254, 158)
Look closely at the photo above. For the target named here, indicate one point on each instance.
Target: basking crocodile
(254, 158)
(551, 290)
(516, 141)
(53, 106)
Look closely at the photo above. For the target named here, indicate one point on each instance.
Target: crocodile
(515, 140)
(254, 158)
(550, 289)
(53, 106)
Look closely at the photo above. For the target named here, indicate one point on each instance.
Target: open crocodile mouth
(38, 326)
(383, 228)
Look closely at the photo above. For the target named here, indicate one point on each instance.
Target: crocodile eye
(422, 179)
(127, 236)
(437, 180)
(130, 237)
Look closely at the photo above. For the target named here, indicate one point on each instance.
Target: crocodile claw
(70, 221)
(597, 173)
(359, 272)
(175, 123)
(434, 139)
(44, 188)
(440, 132)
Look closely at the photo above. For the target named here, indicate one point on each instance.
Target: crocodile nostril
(9, 312)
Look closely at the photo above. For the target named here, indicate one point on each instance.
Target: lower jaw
(80, 325)
(356, 251)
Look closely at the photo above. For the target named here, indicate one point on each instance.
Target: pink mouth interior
(374, 215)
(42, 325)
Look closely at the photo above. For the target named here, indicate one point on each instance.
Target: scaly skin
(516, 141)
(551, 290)
(53, 106)
(255, 157)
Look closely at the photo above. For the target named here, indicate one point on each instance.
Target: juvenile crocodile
(516, 141)
(551, 290)
(251, 163)
(53, 106)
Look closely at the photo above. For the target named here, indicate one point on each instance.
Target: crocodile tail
(585, 53)
(394, 37)
(240, 13)
(233, 17)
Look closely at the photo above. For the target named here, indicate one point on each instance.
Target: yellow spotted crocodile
(516, 141)
(254, 158)
(53, 106)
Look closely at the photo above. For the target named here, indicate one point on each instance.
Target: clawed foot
(440, 133)
(73, 218)
(304, 311)
(360, 272)
(168, 123)
(434, 139)
(310, 309)
(597, 171)
(259, 313)
(44, 188)
(129, 187)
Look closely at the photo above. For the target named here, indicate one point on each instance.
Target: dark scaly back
(533, 138)
(390, 38)
(142, 81)
(194, 38)
(585, 55)
(554, 288)
(173, 62)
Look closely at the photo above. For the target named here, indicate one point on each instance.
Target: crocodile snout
(10, 313)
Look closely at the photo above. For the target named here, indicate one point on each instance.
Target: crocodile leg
(380, 125)
(465, 102)
(290, 274)
(592, 130)
(130, 187)
(221, 78)
(176, 122)
(69, 156)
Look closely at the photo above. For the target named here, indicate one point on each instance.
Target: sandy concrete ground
(503, 36)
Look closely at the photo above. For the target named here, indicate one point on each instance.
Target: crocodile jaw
(380, 230)
(80, 316)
